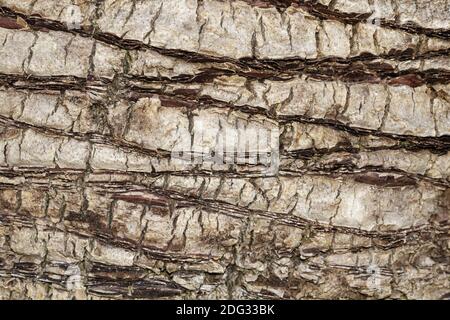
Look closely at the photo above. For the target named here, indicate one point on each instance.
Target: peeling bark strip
(96, 96)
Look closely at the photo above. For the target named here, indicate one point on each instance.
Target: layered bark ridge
(93, 205)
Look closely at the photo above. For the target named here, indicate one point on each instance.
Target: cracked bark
(89, 117)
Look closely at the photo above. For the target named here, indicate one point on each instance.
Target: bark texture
(93, 206)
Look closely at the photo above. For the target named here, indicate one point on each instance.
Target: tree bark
(96, 96)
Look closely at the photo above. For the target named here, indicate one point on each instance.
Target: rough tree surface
(95, 96)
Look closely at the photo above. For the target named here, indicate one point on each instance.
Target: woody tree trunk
(351, 98)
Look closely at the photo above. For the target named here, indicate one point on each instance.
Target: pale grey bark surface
(94, 101)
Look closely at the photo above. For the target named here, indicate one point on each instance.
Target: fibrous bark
(93, 102)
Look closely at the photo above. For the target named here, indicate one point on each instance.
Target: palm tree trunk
(224, 149)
